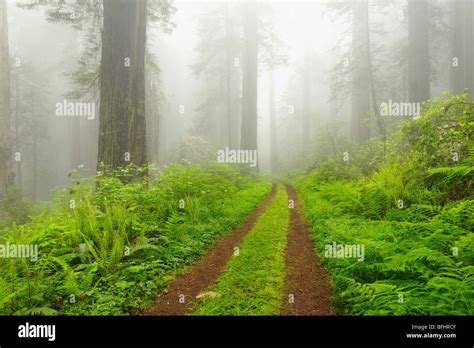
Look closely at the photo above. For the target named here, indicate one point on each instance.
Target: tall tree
(153, 116)
(418, 51)
(272, 54)
(218, 69)
(121, 69)
(273, 126)
(30, 98)
(6, 135)
(462, 64)
(249, 83)
(360, 70)
(17, 128)
(228, 59)
(35, 144)
(122, 130)
(306, 100)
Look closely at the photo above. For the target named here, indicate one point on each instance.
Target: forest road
(179, 296)
(307, 289)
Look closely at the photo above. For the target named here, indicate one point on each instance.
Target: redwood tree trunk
(7, 174)
(122, 130)
(361, 71)
(153, 122)
(418, 51)
(227, 72)
(462, 75)
(249, 88)
(306, 101)
(273, 133)
(19, 175)
(35, 145)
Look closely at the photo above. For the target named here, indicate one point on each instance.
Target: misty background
(305, 54)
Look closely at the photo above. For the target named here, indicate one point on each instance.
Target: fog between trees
(138, 81)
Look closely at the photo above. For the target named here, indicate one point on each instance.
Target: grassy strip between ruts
(252, 282)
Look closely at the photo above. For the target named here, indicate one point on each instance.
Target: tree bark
(249, 87)
(122, 129)
(418, 51)
(35, 145)
(17, 129)
(153, 122)
(462, 75)
(273, 135)
(360, 71)
(7, 173)
(306, 101)
(227, 70)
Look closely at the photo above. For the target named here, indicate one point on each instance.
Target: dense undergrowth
(410, 205)
(403, 200)
(107, 248)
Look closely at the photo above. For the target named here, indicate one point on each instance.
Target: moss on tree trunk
(122, 130)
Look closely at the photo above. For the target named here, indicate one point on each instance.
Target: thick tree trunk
(273, 133)
(19, 173)
(249, 88)
(462, 63)
(306, 101)
(7, 174)
(227, 71)
(122, 130)
(35, 145)
(373, 93)
(153, 122)
(418, 51)
(360, 71)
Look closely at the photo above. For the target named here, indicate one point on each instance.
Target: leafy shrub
(15, 207)
(113, 241)
(444, 128)
(413, 212)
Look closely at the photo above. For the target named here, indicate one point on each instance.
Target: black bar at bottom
(136, 331)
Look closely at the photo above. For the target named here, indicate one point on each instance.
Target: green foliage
(413, 212)
(334, 169)
(196, 150)
(375, 202)
(113, 242)
(15, 207)
(454, 181)
(444, 128)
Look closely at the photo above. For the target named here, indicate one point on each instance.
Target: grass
(121, 244)
(252, 282)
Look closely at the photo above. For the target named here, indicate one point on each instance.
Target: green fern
(37, 311)
(375, 202)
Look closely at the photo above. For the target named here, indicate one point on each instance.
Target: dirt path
(196, 280)
(306, 280)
